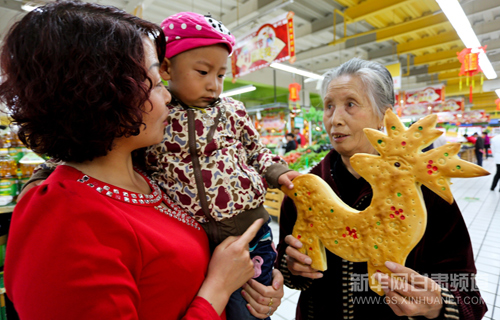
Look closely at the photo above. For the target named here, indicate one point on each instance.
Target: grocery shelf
(7, 208)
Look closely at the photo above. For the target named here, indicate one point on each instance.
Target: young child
(211, 160)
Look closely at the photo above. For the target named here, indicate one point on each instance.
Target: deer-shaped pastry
(396, 219)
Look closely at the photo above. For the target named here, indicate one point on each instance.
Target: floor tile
(494, 244)
(489, 313)
(488, 248)
(487, 277)
(287, 309)
(489, 298)
(488, 269)
(487, 287)
(489, 255)
(496, 314)
(291, 292)
(489, 262)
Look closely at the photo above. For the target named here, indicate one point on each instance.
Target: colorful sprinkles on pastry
(374, 235)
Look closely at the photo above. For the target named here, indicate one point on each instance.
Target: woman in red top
(98, 239)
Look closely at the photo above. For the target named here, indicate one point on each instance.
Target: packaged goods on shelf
(8, 177)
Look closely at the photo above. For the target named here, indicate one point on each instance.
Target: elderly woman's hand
(411, 294)
(264, 300)
(298, 263)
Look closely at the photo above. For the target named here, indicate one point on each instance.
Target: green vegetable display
(307, 160)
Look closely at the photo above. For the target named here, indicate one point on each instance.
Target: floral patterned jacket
(235, 167)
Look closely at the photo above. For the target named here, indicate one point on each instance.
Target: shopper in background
(356, 96)
(471, 139)
(495, 150)
(299, 138)
(479, 148)
(99, 239)
(290, 143)
(212, 142)
(487, 144)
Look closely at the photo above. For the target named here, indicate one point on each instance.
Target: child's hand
(28, 188)
(286, 178)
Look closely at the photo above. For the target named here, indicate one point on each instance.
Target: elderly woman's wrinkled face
(347, 111)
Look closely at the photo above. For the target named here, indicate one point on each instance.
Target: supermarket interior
(443, 56)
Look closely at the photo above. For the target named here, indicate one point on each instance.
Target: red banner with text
(429, 95)
(467, 117)
(271, 42)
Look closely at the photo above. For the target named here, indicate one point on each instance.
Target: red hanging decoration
(497, 102)
(470, 66)
(294, 89)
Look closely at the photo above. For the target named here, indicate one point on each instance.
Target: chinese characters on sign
(460, 282)
(434, 94)
(271, 42)
(422, 102)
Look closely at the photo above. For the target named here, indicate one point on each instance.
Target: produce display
(302, 159)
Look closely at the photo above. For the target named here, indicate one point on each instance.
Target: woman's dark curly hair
(74, 77)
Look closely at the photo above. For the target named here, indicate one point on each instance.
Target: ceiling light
(301, 72)
(460, 22)
(310, 80)
(498, 92)
(239, 90)
(28, 7)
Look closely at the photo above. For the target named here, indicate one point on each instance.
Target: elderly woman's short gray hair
(375, 77)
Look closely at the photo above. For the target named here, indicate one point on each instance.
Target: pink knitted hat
(189, 30)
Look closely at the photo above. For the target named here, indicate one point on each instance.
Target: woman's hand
(411, 294)
(263, 300)
(229, 268)
(286, 178)
(298, 263)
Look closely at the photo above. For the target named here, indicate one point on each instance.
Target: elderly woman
(356, 95)
(99, 239)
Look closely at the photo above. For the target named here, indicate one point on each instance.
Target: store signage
(395, 70)
(467, 117)
(421, 101)
(397, 98)
(449, 105)
(271, 42)
(434, 94)
(416, 110)
(299, 122)
(271, 122)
